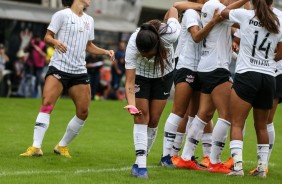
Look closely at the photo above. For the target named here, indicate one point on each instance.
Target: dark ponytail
(67, 3)
(148, 38)
(266, 16)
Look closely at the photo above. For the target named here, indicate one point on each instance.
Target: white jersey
(182, 39)
(278, 63)
(75, 32)
(257, 45)
(216, 50)
(190, 55)
(145, 67)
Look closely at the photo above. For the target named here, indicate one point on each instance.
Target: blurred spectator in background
(49, 53)
(93, 65)
(3, 60)
(5, 82)
(37, 50)
(105, 83)
(19, 68)
(118, 71)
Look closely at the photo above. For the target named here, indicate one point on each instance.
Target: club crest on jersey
(86, 26)
(190, 78)
(204, 14)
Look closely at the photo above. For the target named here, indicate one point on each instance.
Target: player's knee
(154, 121)
(46, 108)
(179, 112)
(82, 114)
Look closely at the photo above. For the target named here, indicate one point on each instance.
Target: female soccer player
(214, 75)
(149, 76)
(254, 84)
(71, 32)
(186, 79)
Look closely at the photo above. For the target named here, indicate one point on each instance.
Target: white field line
(105, 170)
(33, 172)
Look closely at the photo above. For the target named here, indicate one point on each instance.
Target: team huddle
(210, 34)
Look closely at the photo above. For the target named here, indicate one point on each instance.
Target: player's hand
(235, 47)
(60, 47)
(111, 54)
(132, 110)
(217, 16)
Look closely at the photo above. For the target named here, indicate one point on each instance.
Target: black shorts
(278, 93)
(153, 88)
(209, 80)
(255, 88)
(188, 76)
(68, 80)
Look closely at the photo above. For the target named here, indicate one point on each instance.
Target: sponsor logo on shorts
(231, 80)
(87, 80)
(166, 93)
(57, 76)
(190, 78)
(137, 88)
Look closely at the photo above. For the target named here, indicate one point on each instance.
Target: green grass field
(103, 152)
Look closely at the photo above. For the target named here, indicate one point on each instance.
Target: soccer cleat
(252, 171)
(259, 173)
(236, 173)
(229, 163)
(134, 170)
(175, 159)
(205, 161)
(166, 161)
(32, 151)
(218, 168)
(142, 173)
(62, 150)
(189, 164)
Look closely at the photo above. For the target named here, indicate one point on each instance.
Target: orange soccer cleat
(229, 163)
(218, 168)
(189, 164)
(205, 161)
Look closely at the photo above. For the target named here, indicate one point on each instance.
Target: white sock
(219, 136)
(262, 151)
(152, 134)
(41, 126)
(271, 137)
(189, 123)
(192, 138)
(170, 130)
(207, 144)
(140, 144)
(177, 143)
(72, 130)
(236, 148)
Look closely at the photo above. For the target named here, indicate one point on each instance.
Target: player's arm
(278, 55)
(236, 39)
(58, 45)
(171, 13)
(237, 4)
(93, 49)
(184, 5)
(130, 92)
(199, 34)
(248, 6)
